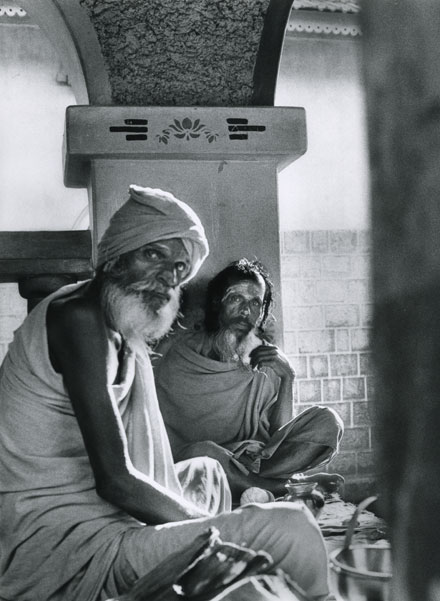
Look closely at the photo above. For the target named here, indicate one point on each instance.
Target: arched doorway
(41, 73)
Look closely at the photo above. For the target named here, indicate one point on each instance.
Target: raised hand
(269, 355)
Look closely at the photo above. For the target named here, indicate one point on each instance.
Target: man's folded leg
(287, 531)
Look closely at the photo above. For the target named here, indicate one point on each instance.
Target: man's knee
(281, 530)
(285, 518)
(334, 422)
(328, 425)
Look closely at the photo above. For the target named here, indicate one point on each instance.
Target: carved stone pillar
(186, 53)
(222, 161)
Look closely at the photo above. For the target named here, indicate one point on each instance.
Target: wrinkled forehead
(247, 288)
(173, 247)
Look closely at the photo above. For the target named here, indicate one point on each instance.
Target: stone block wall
(327, 320)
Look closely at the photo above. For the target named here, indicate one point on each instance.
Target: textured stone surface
(300, 363)
(360, 339)
(343, 365)
(354, 388)
(362, 414)
(304, 317)
(331, 390)
(344, 463)
(296, 242)
(316, 341)
(342, 340)
(355, 439)
(319, 241)
(318, 366)
(342, 316)
(332, 291)
(179, 52)
(309, 391)
(327, 314)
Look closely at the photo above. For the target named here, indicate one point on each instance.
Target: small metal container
(360, 572)
(306, 492)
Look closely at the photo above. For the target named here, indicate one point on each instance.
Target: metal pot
(307, 493)
(360, 572)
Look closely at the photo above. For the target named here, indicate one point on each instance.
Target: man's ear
(114, 267)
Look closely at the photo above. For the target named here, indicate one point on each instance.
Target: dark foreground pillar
(402, 77)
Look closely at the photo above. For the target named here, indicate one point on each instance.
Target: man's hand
(269, 355)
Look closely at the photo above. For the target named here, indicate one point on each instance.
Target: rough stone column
(402, 57)
(222, 161)
(179, 52)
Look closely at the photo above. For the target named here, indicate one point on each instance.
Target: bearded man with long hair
(225, 391)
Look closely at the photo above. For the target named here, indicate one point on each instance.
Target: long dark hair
(235, 272)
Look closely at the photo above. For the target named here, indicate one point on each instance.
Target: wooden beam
(24, 254)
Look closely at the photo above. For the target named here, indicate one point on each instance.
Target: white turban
(150, 215)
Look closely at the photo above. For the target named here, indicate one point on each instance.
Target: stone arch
(69, 29)
(269, 52)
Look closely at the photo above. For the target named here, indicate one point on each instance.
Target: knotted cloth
(149, 215)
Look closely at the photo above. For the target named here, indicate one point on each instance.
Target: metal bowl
(361, 573)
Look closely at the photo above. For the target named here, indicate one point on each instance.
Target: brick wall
(13, 309)
(327, 316)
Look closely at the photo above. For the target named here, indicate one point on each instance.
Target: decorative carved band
(185, 129)
(10, 10)
(324, 24)
(238, 126)
(180, 133)
(136, 129)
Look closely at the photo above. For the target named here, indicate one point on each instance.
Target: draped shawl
(204, 399)
(230, 404)
(54, 528)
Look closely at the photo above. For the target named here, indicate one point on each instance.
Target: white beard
(137, 322)
(230, 347)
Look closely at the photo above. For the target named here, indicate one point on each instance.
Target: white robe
(58, 537)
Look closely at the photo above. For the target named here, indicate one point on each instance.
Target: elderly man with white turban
(90, 499)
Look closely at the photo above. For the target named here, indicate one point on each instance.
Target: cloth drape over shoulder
(204, 399)
(230, 404)
(58, 537)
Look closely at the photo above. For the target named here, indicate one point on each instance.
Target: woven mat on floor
(335, 518)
